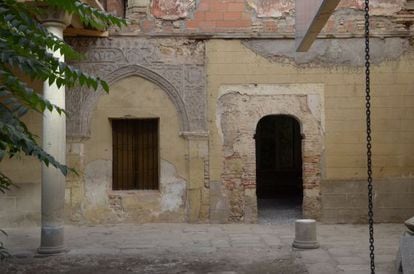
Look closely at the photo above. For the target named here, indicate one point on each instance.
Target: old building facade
(202, 84)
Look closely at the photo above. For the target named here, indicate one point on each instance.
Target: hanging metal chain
(369, 139)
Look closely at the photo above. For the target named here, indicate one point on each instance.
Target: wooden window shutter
(135, 154)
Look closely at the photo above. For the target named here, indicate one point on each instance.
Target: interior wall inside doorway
(278, 157)
(279, 184)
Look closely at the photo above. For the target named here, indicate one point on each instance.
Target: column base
(51, 250)
(305, 245)
(51, 241)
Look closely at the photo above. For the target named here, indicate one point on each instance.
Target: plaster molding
(194, 135)
(176, 66)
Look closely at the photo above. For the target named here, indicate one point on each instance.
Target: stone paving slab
(204, 248)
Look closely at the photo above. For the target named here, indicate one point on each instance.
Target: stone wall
(252, 64)
(177, 96)
(203, 81)
(169, 83)
(239, 109)
(177, 46)
(256, 18)
(345, 201)
(91, 196)
(21, 204)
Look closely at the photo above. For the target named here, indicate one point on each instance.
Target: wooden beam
(84, 32)
(311, 17)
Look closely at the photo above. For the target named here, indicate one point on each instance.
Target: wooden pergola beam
(311, 17)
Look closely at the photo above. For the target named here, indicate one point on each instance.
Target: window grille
(135, 154)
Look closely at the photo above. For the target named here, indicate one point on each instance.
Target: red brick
(168, 28)
(235, 6)
(115, 7)
(192, 24)
(169, 10)
(234, 24)
(217, 5)
(207, 25)
(270, 26)
(231, 15)
(147, 25)
(200, 16)
(203, 6)
(246, 16)
(214, 16)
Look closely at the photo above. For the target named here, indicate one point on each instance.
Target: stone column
(54, 142)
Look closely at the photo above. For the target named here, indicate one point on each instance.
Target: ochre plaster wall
(21, 204)
(132, 97)
(231, 63)
(343, 159)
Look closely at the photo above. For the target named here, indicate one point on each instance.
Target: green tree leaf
(25, 48)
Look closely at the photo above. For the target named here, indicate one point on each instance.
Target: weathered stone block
(218, 198)
(334, 200)
(342, 186)
(394, 185)
(356, 200)
(393, 215)
(7, 204)
(394, 200)
(250, 206)
(194, 205)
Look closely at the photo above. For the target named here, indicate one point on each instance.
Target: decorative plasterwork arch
(181, 76)
(81, 126)
(164, 84)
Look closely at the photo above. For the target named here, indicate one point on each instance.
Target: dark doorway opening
(279, 186)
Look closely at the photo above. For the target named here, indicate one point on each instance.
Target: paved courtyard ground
(185, 248)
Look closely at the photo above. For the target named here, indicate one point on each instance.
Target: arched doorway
(279, 185)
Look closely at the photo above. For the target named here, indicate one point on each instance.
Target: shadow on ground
(281, 210)
(137, 264)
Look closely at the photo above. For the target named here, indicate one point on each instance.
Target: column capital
(55, 17)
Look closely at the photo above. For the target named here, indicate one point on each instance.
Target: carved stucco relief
(177, 66)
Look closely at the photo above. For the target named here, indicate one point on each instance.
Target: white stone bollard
(305, 234)
(410, 225)
(405, 255)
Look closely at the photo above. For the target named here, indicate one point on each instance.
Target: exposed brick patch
(233, 24)
(213, 16)
(236, 7)
(221, 16)
(231, 15)
(270, 26)
(147, 25)
(239, 111)
(171, 9)
(116, 7)
(251, 17)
